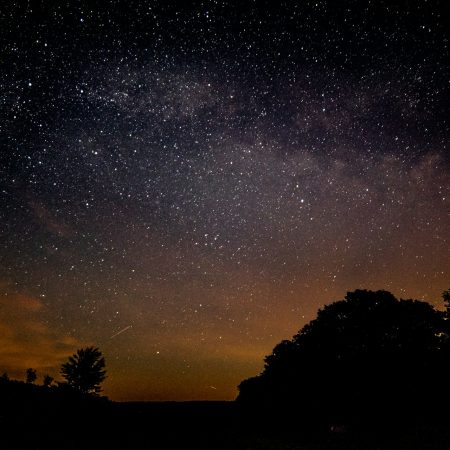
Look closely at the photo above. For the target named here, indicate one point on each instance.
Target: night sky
(184, 184)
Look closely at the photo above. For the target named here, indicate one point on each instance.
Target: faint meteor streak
(121, 331)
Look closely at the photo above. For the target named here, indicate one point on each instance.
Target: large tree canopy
(364, 357)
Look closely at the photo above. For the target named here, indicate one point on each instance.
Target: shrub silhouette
(47, 381)
(30, 375)
(85, 370)
(369, 357)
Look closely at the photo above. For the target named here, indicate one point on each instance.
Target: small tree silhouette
(85, 370)
(5, 376)
(31, 375)
(48, 380)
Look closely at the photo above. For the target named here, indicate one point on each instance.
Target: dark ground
(197, 425)
(33, 418)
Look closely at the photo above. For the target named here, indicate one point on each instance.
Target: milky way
(184, 186)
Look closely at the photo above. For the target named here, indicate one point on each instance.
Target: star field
(184, 185)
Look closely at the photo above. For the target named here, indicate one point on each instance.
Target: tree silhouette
(30, 375)
(446, 297)
(85, 370)
(369, 355)
(48, 380)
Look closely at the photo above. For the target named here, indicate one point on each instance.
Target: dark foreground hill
(370, 372)
(34, 417)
